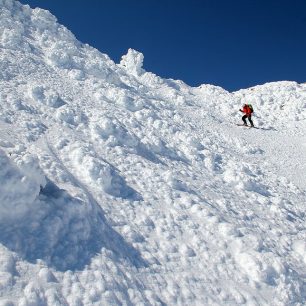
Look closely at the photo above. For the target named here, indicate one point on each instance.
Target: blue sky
(232, 44)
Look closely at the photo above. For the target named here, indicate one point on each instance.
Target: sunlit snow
(118, 187)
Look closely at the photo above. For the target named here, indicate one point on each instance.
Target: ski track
(119, 187)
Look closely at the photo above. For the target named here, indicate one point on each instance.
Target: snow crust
(118, 187)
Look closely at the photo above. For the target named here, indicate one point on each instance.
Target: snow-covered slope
(118, 187)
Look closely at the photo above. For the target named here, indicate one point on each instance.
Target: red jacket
(246, 109)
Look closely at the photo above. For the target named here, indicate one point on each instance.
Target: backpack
(251, 108)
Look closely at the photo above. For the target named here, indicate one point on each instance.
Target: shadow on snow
(66, 232)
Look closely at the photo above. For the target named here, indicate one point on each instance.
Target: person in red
(247, 110)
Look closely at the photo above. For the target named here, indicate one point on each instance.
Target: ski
(239, 124)
(247, 126)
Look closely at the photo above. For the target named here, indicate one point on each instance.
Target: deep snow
(118, 187)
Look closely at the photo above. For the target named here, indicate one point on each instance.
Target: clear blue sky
(233, 44)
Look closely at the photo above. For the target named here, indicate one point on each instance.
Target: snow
(118, 187)
(133, 62)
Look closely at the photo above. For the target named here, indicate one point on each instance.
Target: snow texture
(118, 187)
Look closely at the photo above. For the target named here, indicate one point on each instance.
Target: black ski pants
(249, 117)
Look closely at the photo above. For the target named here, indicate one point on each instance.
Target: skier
(247, 110)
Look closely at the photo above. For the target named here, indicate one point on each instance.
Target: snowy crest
(133, 62)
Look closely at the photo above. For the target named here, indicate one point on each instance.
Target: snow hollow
(118, 187)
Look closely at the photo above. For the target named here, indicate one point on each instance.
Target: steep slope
(121, 188)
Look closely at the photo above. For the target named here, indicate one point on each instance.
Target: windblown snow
(118, 187)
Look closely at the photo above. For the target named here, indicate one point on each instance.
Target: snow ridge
(118, 187)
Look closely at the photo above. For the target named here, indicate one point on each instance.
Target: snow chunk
(299, 247)
(43, 19)
(77, 74)
(19, 186)
(46, 95)
(121, 97)
(261, 267)
(12, 33)
(46, 275)
(242, 177)
(11, 39)
(133, 62)
(113, 132)
(131, 104)
(98, 173)
(63, 54)
(186, 251)
(29, 166)
(92, 169)
(67, 115)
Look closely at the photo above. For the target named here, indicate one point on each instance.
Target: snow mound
(98, 173)
(40, 221)
(118, 187)
(19, 187)
(133, 62)
(281, 102)
(46, 96)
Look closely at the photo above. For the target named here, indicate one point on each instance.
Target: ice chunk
(132, 62)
